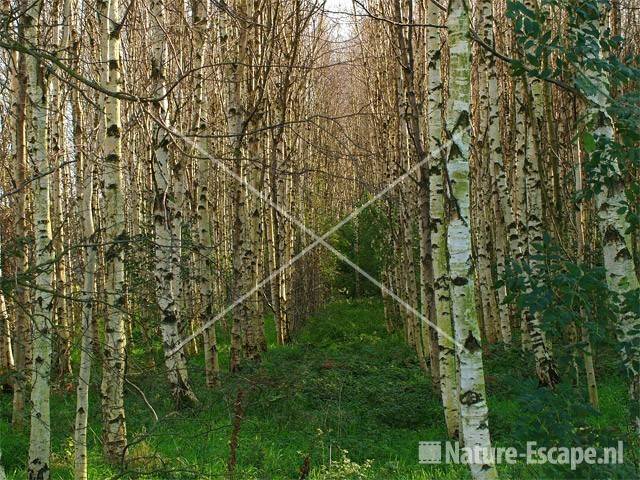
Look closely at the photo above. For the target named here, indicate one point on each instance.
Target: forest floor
(345, 394)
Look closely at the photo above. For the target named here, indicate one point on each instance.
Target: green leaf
(588, 142)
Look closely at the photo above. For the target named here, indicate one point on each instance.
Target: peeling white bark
(166, 247)
(113, 369)
(474, 414)
(42, 320)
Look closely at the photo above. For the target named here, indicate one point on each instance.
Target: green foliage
(364, 241)
(12, 451)
(563, 418)
(521, 412)
(573, 57)
(343, 384)
(565, 293)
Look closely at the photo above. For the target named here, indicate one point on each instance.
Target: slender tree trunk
(7, 363)
(545, 366)
(204, 252)
(532, 108)
(255, 321)
(61, 362)
(427, 300)
(473, 402)
(163, 209)
(278, 223)
(22, 326)
(521, 147)
(115, 235)
(85, 204)
(587, 349)
(242, 335)
(438, 229)
(37, 148)
(614, 227)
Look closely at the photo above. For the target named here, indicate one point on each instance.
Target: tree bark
(473, 402)
(115, 235)
(164, 210)
(85, 204)
(42, 320)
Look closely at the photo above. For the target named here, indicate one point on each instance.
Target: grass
(344, 392)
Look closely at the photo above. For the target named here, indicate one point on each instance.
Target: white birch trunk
(587, 349)
(537, 340)
(165, 251)
(535, 336)
(474, 414)
(42, 321)
(204, 253)
(614, 227)
(504, 222)
(115, 234)
(438, 224)
(85, 203)
(22, 343)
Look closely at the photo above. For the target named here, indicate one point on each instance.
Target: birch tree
(438, 227)
(115, 236)
(533, 110)
(163, 210)
(611, 204)
(203, 212)
(473, 399)
(504, 224)
(7, 363)
(22, 351)
(42, 320)
(88, 329)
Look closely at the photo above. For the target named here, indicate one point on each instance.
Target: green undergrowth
(345, 400)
